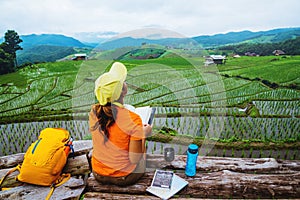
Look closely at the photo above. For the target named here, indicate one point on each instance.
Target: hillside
(46, 48)
(50, 47)
(206, 41)
(49, 39)
(233, 104)
(289, 47)
(43, 53)
(271, 36)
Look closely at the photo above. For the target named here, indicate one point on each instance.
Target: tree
(11, 44)
(6, 61)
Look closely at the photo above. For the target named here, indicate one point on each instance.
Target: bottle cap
(193, 148)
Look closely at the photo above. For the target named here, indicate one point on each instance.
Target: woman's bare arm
(136, 150)
(137, 147)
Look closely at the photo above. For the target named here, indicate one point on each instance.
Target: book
(146, 113)
(165, 184)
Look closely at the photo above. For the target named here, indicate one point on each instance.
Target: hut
(278, 52)
(218, 59)
(80, 56)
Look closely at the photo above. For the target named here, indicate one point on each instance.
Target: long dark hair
(106, 118)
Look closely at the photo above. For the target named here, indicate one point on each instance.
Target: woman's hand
(147, 130)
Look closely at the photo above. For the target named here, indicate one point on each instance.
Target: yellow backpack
(45, 159)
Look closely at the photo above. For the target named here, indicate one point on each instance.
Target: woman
(118, 134)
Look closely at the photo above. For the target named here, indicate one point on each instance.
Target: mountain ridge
(50, 39)
(273, 35)
(219, 39)
(209, 41)
(57, 43)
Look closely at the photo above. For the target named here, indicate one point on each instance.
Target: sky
(105, 18)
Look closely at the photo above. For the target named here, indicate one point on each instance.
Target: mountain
(271, 36)
(206, 41)
(40, 48)
(49, 39)
(46, 48)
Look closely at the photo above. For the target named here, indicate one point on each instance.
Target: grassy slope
(275, 69)
(47, 91)
(50, 86)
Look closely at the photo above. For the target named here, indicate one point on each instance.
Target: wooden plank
(157, 161)
(11, 160)
(289, 164)
(77, 166)
(109, 196)
(217, 177)
(221, 184)
(82, 146)
(216, 163)
(72, 189)
(137, 189)
(228, 184)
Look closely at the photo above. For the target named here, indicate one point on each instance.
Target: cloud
(187, 17)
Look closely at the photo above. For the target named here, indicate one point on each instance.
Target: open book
(165, 184)
(146, 113)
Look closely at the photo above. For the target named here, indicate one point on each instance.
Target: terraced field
(248, 101)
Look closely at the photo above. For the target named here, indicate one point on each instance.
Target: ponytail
(106, 118)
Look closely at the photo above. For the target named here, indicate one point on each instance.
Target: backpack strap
(18, 167)
(61, 180)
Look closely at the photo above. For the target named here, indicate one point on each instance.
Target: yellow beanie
(108, 87)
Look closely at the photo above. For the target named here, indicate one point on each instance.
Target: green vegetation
(145, 53)
(8, 57)
(283, 70)
(234, 105)
(290, 47)
(271, 36)
(43, 53)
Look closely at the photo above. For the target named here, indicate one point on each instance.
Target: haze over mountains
(37, 47)
(274, 35)
(208, 41)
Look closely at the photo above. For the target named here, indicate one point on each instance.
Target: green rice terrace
(245, 108)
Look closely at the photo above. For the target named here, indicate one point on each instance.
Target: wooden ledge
(221, 184)
(72, 189)
(217, 177)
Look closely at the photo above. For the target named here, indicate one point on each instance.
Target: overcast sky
(186, 17)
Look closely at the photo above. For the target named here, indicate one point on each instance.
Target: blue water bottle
(191, 160)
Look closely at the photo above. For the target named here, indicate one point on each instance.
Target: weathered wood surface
(109, 196)
(216, 163)
(11, 160)
(222, 184)
(219, 184)
(72, 189)
(217, 177)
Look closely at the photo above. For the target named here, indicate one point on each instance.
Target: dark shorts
(130, 179)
